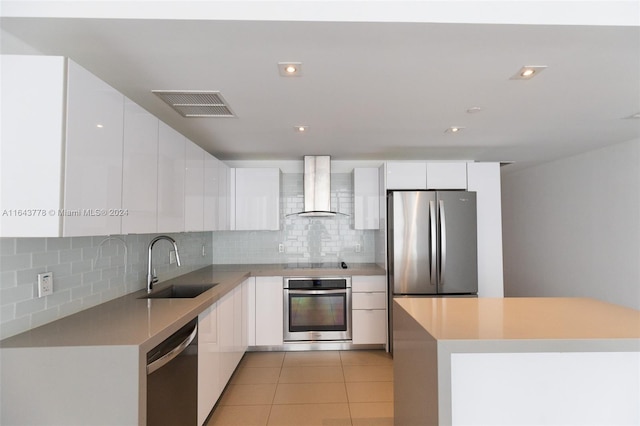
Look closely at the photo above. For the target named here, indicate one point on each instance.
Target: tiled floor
(325, 388)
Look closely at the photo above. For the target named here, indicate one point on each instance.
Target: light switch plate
(45, 284)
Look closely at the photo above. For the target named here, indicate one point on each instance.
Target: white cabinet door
(211, 193)
(366, 198)
(224, 223)
(139, 170)
(238, 313)
(93, 155)
(369, 326)
(447, 175)
(194, 188)
(269, 311)
(171, 162)
(484, 179)
(31, 131)
(226, 336)
(249, 316)
(406, 175)
(257, 199)
(209, 384)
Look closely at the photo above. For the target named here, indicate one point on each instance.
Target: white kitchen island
(511, 361)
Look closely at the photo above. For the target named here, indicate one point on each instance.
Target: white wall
(571, 227)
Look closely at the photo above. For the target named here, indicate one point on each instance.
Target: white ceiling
(370, 90)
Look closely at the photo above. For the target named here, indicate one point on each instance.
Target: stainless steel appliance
(317, 309)
(172, 379)
(432, 243)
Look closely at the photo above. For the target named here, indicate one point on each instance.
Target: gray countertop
(129, 320)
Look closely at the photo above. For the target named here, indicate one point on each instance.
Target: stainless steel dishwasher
(172, 379)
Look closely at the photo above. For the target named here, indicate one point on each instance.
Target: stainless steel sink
(187, 291)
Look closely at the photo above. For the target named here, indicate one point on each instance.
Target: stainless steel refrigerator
(432, 243)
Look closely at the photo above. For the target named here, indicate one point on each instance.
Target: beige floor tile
(255, 375)
(316, 358)
(240, 415)
(262, 359)
(368, 373)
(306, 393)
(310, 415)
(248, 394)
(311, 374)
(371, 413)
(370, 391)
(378, 357)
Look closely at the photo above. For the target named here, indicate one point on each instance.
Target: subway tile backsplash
(304, 240)
(87, 271)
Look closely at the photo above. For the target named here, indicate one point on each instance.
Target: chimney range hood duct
(317, 187)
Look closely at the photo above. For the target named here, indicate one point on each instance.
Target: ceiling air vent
(191, 103)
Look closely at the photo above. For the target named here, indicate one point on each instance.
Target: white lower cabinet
(269, 311)
(221, 345)
(369, 309)
(209, 383)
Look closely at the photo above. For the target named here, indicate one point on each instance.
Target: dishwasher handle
(169, 356)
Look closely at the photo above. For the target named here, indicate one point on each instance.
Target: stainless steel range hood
(317, 186)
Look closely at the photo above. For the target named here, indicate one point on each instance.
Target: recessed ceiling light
(301, 129)
(528, 72)
(454, 129)
(636, 115)
(290, 69)
(99, 126)
(473, 110)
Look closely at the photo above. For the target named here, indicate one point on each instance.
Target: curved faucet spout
(151, 278)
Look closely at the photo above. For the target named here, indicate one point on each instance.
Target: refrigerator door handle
(434, 242)
(443, 241)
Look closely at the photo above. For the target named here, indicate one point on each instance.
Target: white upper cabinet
(32, 123)
(224, 197)
(171, 176)
(257, 199)
(406, 175)
(366, 198)
(194, 188)
(139, 170)
(447, 175)
(211, 192)
(93, 155)
(425, 175)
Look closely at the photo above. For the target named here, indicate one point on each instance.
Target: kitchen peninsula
(81, 366)
(542, 361)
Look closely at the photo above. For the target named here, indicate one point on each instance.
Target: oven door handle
(316, 292)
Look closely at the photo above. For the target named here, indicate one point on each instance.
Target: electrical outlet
(203, 251)
(280, 248)
(172, 257)
(45, 284)
(358, 248)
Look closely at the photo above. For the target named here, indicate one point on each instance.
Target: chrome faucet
(151, 278)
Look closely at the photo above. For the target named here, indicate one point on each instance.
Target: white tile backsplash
(87, 271)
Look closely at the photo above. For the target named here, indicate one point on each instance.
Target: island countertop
(522, 318)
(543, 361)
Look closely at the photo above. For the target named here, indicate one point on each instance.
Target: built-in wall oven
(317, 309)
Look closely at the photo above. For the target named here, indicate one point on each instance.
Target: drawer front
(369, 301)
(368, 283)
(369, 327)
